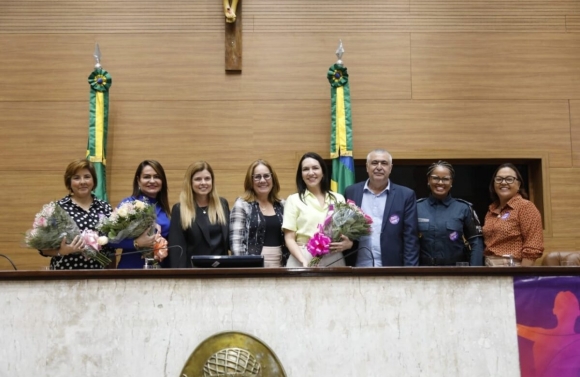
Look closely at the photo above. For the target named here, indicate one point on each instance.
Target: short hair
(250, 195)
(162, 196)
(379, 151)
(74, 167)
(521, 191)
(442, 164)
(324, 182)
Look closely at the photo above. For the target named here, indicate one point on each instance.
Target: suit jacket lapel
(203, 229)
(388, 205)
(358, 195)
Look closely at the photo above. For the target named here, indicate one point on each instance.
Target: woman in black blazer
(199, 222)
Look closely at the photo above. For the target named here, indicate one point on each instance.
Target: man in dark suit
(393, 208)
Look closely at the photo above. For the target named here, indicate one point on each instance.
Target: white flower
(139, 204)
(102, 240)
(122, 212)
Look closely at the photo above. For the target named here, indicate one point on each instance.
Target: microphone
(9, 260)
(355, 251)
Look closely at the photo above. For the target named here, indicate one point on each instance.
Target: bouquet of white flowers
(130, 220)
(53, 223)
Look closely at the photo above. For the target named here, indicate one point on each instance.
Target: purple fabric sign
(548, 320)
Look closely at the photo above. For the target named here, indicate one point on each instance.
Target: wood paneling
(190, 66)
(83, 16)
(368, 22)
(564, 184)
(411, 127)
(519, 8)
(495, 66)
(42, 136)
(573, 23)
(575, 132)
(348, 16)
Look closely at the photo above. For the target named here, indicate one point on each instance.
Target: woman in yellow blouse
(308, 208)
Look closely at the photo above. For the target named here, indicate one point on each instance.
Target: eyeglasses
(258, 177)
(509, 180)
(436, 179)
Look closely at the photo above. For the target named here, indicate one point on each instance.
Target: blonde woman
(199, 222)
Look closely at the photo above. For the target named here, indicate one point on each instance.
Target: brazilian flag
(100, 81)
(341, 129)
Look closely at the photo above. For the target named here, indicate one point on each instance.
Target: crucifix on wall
(233, 40)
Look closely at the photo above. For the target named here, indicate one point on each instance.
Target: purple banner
(548, 320)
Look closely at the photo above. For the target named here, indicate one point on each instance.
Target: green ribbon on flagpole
(341, 129)
(100, 81)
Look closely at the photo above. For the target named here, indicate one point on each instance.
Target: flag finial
(97, 55)
(339, 52)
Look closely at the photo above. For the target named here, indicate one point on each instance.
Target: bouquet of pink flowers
(53, 223)
(342, 219)
(130, 220)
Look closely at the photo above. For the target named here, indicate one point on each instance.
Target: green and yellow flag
(100, 82)
(341, 127)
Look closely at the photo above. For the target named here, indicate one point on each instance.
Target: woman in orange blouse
(513, 226)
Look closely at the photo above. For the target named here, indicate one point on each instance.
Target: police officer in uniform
(446, 223)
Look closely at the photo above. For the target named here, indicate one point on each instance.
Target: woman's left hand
(344, 244)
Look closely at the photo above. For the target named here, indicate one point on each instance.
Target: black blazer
(195, 239)
(399, 234)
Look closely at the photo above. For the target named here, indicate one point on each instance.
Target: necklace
(204, 210)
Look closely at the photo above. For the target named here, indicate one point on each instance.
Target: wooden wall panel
(84, 16)
(495, 66)
(573, 23)
(415, 126)
(191, 66)
(294, 66)
(350, 16)
(395, 22)
(564, 184)
(575, 132)
(519, 8)
(41, 136)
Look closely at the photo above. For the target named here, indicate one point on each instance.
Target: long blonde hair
(188, 203)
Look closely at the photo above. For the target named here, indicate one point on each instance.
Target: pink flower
(318, 245)
(368, 219)
(40, 223)
(351, 203)
(91, 239)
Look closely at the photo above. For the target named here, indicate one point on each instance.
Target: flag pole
(341, 125)
(100, 81)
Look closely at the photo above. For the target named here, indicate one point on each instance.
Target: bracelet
(135, 244)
